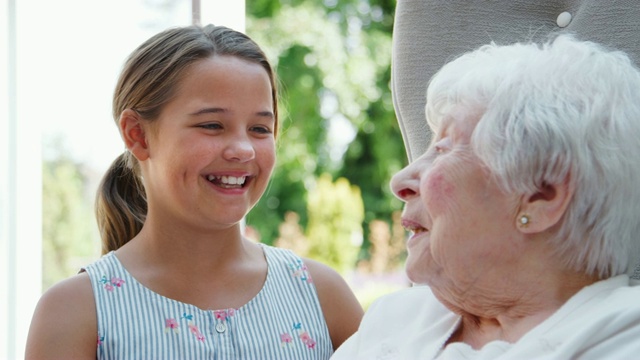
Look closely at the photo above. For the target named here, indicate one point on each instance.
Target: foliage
(67, 219)
(333, 62)
(334, 231)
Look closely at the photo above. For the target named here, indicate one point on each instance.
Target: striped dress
(283, 321)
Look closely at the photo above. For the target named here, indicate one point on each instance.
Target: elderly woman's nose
(405, 183)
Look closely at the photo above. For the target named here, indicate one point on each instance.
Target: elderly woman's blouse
(602, 321)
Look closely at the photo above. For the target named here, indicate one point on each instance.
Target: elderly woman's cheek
(436, 191)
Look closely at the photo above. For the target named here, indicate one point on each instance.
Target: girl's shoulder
(64, 322)
(71, 300)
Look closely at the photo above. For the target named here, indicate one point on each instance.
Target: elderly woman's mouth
(419, 230)
(413, 227)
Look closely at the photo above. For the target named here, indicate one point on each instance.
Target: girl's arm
(64, 324)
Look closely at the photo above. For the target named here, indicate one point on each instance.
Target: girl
(197, 111)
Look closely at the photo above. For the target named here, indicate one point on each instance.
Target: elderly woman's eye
(442, 146)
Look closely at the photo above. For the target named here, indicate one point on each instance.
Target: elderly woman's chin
(416, 276)
(418, 266)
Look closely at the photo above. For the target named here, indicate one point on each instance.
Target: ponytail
(121, 203)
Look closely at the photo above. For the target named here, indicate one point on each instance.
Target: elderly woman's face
(460, 220)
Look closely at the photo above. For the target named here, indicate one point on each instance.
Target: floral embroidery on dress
(304, 336)
(299, 269)
(224, 314)
(171, 324)
(286, 339)
(100, 340)
(195, 331)
(110, 285)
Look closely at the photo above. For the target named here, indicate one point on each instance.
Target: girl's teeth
(227, 180)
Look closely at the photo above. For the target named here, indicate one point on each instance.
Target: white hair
(565, 110)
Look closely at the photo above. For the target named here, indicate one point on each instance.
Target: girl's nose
(239, 149)
(405, 183)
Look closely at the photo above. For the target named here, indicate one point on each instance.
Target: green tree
(67, 219)
(334, 231)
(333, 61)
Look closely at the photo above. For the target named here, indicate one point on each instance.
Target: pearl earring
(524, 220)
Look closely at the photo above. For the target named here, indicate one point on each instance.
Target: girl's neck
(220, 270)
(186, 248)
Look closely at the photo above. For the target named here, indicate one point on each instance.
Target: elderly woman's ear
(543, 209)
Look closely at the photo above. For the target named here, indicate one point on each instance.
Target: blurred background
(339, 144)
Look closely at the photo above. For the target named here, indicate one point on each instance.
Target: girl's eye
(261, 129)
(211, 126)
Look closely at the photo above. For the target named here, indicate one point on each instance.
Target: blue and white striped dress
(283, 321)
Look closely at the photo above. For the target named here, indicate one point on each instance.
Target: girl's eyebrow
(217, 110)
(212, 110)
(266, 113)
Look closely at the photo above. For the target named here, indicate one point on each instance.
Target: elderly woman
(524, 212)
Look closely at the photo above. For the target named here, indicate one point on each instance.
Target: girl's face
(212, 150)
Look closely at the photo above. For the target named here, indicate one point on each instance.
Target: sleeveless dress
(283, 321)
